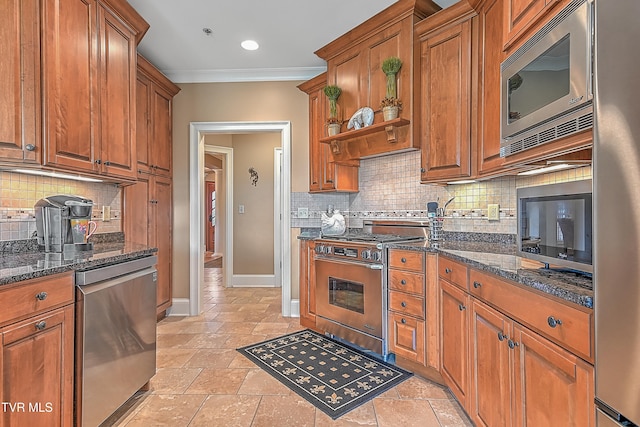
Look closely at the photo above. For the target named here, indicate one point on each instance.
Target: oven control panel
(367, 254)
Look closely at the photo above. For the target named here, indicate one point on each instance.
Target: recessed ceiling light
(250, 45)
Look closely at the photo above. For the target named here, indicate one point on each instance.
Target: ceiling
(288, 31)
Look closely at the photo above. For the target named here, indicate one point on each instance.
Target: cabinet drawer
(35, 296)
(406, 282)
(406, 304)
(406, 337)
(567, 325)
(406, 260)
(453, 271)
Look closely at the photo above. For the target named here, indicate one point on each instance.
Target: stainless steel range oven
(351, 283)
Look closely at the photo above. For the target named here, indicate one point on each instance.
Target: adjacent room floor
(202, 380)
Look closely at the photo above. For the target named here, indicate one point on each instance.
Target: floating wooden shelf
(389, 127)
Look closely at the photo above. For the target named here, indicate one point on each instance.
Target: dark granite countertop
(16, 267)
(501, 260)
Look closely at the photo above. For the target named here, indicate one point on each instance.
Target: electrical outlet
(493, 212)
(303, 212)
(241, 209)
(106, 213)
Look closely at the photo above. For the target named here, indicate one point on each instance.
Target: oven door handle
(356, 263)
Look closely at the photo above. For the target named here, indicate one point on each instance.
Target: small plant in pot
(333, 123)
(391, 104)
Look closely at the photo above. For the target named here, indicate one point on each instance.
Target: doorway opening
(197, 209)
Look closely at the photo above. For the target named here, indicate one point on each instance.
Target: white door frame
(197, 130)
(277, 215)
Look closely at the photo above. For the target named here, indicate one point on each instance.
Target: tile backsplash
(390, 189)
(20, 192)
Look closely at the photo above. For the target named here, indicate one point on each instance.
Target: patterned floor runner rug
(333, 377)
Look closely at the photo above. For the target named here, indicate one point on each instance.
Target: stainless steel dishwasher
(115, 336)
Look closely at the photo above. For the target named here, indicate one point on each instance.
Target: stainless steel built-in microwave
(555, 224)
(546, 85)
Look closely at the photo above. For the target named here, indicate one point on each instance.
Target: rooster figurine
(333, 225)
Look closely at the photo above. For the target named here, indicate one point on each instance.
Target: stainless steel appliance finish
(616, 177)
(555, 224)
(351, 281)
(115, 336)
(53, 222)
(546, 90)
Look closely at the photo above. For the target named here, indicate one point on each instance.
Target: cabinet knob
(403, 260)
(462, 307)
(403, 282)
(41, 325)
(447, 270)
(403, 321)
(553, 322)
(502, 336)
(30, 147)
(98, 162)
(41, 296)
(477, 284)
(107, 163)
(422, 170)
(403, 304)
(513, 344)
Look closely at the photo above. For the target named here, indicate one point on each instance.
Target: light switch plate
(493, 212)
(241, 209)
(303, 212)
(106, 213)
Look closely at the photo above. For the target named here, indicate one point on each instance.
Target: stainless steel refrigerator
(616, 183)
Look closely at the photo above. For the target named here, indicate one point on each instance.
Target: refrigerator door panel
(616, 204)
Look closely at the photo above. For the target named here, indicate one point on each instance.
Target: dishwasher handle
(101, 273)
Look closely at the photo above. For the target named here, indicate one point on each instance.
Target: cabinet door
(160, 145)
(445, 115)
(137, 211)
(117, 96)
(143, 121)
(454, 342)
(519, 15)
(490, 23)
(406, 337)
(37, 370)
(19, 86)
(552, 386)
(307, 284)
(70, 83)
(490, 401)
(316, 131)
(162, 236)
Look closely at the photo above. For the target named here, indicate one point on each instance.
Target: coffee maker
(54, 216)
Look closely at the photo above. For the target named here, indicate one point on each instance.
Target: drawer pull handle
(462, 307)
(403, 282)
(41, 296)
(502, 336)
(553, 322)
(477, 284)
(403, 321)
(403, 304)
(447, 270)
(41, 325)
(512, 344)
(403, 259)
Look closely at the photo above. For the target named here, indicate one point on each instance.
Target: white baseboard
(295, 308)
(254, 280)
(179, 307)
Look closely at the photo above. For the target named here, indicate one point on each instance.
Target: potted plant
(333, 123)
(391, 104)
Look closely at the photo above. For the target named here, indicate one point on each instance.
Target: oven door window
(346, 294)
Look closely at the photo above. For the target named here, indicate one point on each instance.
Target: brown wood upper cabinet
(443, 93)
(154, 95)
(522, 15)
(20, 83)
(324, 174)
(88, 85)
(353, 63)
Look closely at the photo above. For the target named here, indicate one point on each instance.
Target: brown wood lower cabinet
(37, 357)
(307, 284)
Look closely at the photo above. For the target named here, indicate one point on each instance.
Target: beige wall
(220, 102)
(253, 230)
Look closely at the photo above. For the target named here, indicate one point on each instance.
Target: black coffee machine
(54, 216)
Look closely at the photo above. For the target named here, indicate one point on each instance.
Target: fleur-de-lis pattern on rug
(334, 377)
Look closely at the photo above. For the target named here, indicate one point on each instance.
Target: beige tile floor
(202, 380)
